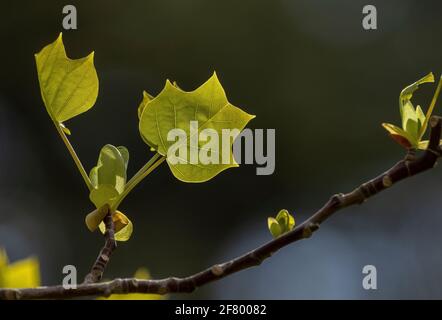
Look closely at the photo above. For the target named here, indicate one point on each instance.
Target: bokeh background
(306, 68)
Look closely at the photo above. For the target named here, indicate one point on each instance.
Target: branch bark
(105, 254)
(405, 168)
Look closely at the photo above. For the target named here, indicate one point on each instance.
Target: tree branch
(408, 167)
(104, 256)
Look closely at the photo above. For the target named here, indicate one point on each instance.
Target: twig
(408, 167)
(103, 258)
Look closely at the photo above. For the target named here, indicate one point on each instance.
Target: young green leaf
(20, 274)
(108, 181)
(400, 136)
(414, 122)
(104, 194)
(123, 226)
(285, 219)
(283, 223)
(407, 93)
(174, 108)
(68, 87)
(146, 99)
(94, 218)
(274, 227)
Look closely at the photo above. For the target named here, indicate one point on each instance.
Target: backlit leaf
(103, 194)
(146, 99)
(68, 87)
(174, 108)
(407, 93)
(123, 226)
(94, 218)
(283, 223)
(274, 227)
(20, 274)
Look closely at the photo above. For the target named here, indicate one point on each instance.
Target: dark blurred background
(306, 68)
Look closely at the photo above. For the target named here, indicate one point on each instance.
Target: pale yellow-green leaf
(399, 135)
(93, 176)
(146, 99)
(174, 108)
(285, 220)
(124, 154)
(124, 226)
(108, 180)
(410, 122)
(111, 167)
(20, 274)
(68, 87)
(274, 227)
(407, 93)
(103, 194)
(423, 145)
(94, 218)
(420, 116)
(283, 223)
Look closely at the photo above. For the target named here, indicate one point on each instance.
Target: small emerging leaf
(285, 219)
(414, 121)
(423, 145)
(407, 93)
(283, 223)
(399, 135)
(123, 226)
(103, 194)
(94, 218)
(108, 180)
(274, 227)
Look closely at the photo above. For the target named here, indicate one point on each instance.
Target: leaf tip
(431, 76)
(91, 56)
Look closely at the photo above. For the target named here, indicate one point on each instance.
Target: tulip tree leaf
(414, 121)
(103, 194)
(123, 226)
(398, 135)
(20, 274)
(174, 108)
(274, 227)
(283, 223)
(108, 179)
(407, 93)
(125, 154)
(146, 99)
(420, 116)
(111, 168)
(286, 220)
(68, 87)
